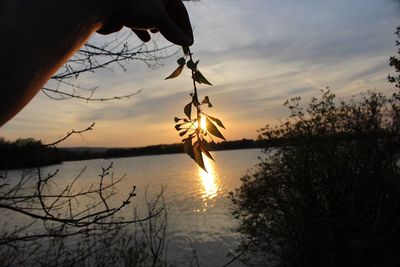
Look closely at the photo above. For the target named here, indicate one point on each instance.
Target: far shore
(44, 156)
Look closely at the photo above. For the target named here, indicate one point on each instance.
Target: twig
(71, 133)
(45, 90)
(233, 259)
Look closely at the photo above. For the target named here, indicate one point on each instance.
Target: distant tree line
(26, 153)
(31, 153)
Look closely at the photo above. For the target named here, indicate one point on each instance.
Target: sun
(203, 123)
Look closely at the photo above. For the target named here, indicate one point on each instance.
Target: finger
(142, 34)
(111, 26)
(177, 11)
(175, 24)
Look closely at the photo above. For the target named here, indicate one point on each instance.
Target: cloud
(257, 53)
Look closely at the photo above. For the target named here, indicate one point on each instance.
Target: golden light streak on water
(209, 179)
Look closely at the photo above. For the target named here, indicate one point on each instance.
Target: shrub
(328, 191)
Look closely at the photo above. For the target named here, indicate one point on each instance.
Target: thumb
(174, 23)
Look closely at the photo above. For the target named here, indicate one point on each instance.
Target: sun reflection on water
(209, 180)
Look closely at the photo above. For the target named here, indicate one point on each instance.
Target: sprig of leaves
(196, 136)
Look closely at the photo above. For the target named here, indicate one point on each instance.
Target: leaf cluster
(196, 135)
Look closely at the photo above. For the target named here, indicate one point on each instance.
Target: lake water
(198, 207)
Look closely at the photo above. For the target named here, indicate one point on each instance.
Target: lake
(199, 211)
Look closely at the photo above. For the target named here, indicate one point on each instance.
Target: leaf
(192, 65)
(198, 157)
(212, 129)
(216, 120)
(198, 77)
(181, 61)
(176, 72)
(188, 147)
(205, 150)
(176, 119)
(206, 100)
(188, 110)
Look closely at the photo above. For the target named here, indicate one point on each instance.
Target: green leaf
(198, 157)
(198, 77)
(212, 129)
(181, 61)
(216, 120)
(176, 72)
(188, 110)
(188, 147)
(205, 150)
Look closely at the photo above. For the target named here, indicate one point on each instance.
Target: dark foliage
(395, 63)
(328, 193)
(26, 153)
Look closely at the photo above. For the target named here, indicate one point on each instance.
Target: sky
(257, 53)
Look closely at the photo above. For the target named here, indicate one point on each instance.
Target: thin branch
(71, 133)
(103, 174)
(65, 95)
(233, 259)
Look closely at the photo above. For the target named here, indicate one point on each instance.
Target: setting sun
(203, 123)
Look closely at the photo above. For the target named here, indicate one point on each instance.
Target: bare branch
(64, 95)
(71, 133)
(93, 57)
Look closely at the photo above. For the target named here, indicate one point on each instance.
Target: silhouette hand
(169, 17)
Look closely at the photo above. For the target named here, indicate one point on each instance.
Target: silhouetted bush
(328, 192)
